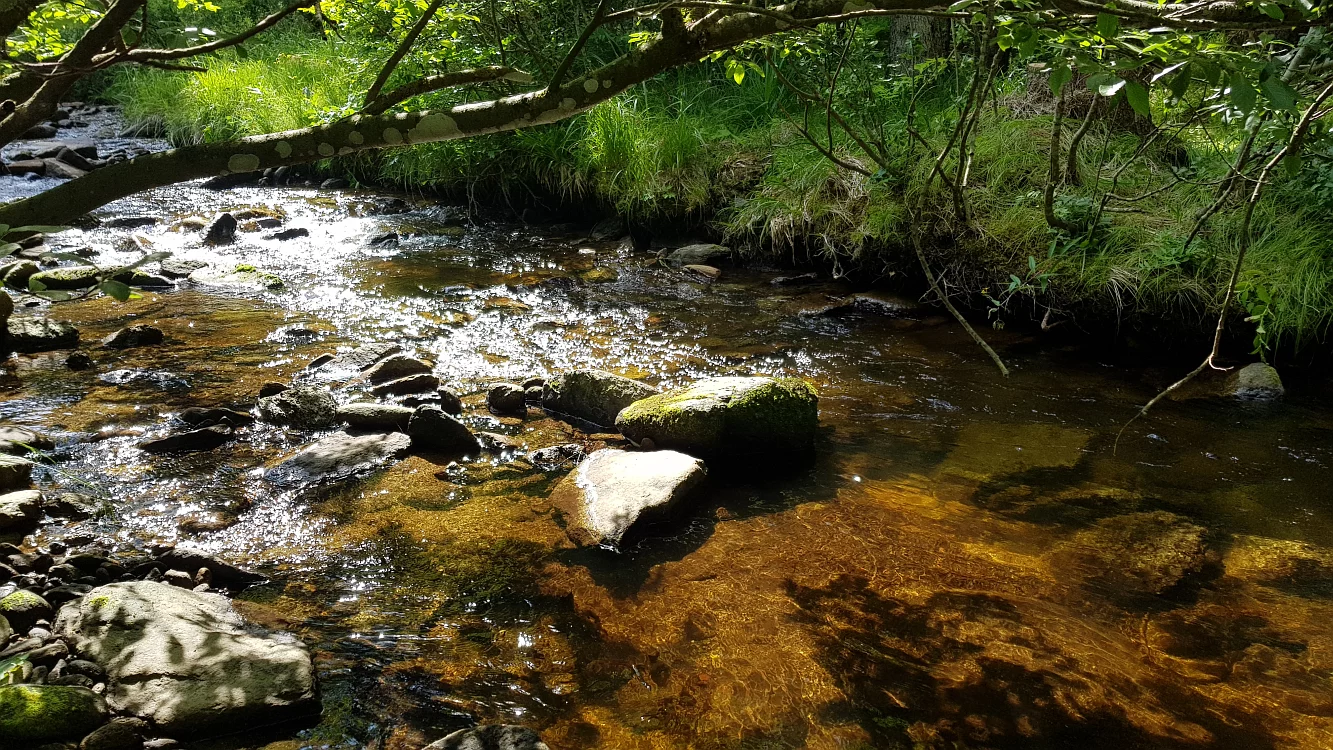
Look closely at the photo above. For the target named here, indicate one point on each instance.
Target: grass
(693, 148)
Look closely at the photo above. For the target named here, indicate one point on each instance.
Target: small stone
(340, 456)
(204, 522)
(1255, 382)
(23, 609)
(708, 272)
(491, 737)
(194, 441)
(178, 578)
(41, 335)
(272, 389)
(120, 734)
(303, 406)
(375, 417)
(15, 472)
(691, 255)
(289, 234)
(19, 441)
(409, 384)
(396, 366)
(533, 394)
(176, 268)
(557, 456)
(433, 430)
(507, 398)
(79, 361)
(20, 510)
(221, 231)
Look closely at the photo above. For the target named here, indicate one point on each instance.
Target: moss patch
(48, 712)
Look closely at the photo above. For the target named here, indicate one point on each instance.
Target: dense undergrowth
(695, 148)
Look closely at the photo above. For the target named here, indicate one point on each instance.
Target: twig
(597, 18)
(401, 50)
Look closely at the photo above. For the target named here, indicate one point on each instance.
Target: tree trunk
(916, 38)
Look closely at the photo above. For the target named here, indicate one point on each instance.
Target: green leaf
(56, 295)
(1293, 164)
(71, 257)
(1032, 264)
(150, 258)
(1060, 76)
(1243, 95)
(1107, 25)
(41, 228)
(36, 286)
(1280, 94)
(113, 288)
(1137, 95)
(1181, 83)
(1271, 9)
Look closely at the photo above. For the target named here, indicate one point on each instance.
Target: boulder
(556, 457)
(23, 609)
(594, 396)
(119, 734)
(396, 366)
(188, 662)
(434, 430)
(610, 228)
(16, 274)
(33, 714)
(41, 335)
(732, 416)
(20, 510)
(242, 277)
(375, 417)
(193, 441)
(613, 491)
(410, 384)
(695, 255)
(70, 505)
(221, 230)
(62, 171)
(132, 336)
(507, 398)
(491, 737)
(1254, 382)
(303, 406)
(1137, 553)
(71, 277)
(15, 472)
(6, 309)
(17, 440)
(177, 268)
(340, 456)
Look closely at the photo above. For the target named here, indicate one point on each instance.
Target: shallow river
(961, 565)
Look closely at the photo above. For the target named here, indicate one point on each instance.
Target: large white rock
(188, 662)
(613, 491)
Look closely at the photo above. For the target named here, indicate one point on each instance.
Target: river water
(961, 565)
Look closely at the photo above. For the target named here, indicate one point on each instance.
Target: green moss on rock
(73, 277)
(38, 713)
(727, 416)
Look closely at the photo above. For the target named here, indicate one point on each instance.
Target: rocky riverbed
(446, 473)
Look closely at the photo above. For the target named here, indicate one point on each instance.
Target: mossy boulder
(1254, 382)
(243, 277)
(73, 277)
(732, 416)
(42, 713)
(16, 274)
(594, 396)
(30, 334)
(23, 609)
(6, 309)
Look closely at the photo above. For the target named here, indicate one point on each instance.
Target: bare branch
(146, 55)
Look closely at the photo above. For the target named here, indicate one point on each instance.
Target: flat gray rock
(16, 440)
(20, 510)
(15, 472)
(491, 737)
(692, 255)
(594, 396)
(187, 661)
(614, 491)
(304, 406)
(340, 456)
(41, 335)
(375, 417)
(363, 357)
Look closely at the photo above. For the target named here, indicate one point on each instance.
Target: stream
(967, 561)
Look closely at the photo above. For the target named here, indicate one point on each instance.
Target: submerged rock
(33, 714)
(200, 416)
(557, 457)
(613, 491)
(727, 417)
(419, 383)
(1138, 553)
(593, 395)
(132, 336)
(507, 398)
(303, 406)
(79, 361)
(1281, 563)
(1255, 382)
(396, 366)
(177, 268)
(41, 335)
(375, 417)
(243, 276)
(434, 430)
(873, 303)
(194, 441)
(20, 510)
(188, 662)
(221, 230)
(340, 456)
(491, 737)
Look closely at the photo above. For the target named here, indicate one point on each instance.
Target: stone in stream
(23, 609)
(731, 416)
(340, 456)
(708, 272)
(243, 277)
(869, 303)
(491, 737)
(118, 734)
(79, 361)
(363, 357)
(177, 268)
(594, 396)
(132, 336)
(130, 222)
(16, 274)
(71, 277)
(375, 417)
(303, 406)
(40, 335)
(60, 170)
(1255, 382)
(221, 230)
(17, 441)
(1135, 554)
(273, 388)
(798, 279)
(411, 384)
(507, 398)
(442, 397)
(288, 234)
(610, 228)
(613, 491)
(20, 510)
(188, 662)
(15, 472)
(694, 255)
(224, 575)
(34, 714)
(431, 429)
(1284, 564)
(194, 441)
(396, 366)
(199, 416)
(70, 505)
(557, 456)
(6, 310)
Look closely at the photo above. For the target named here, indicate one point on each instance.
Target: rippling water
(930, 579)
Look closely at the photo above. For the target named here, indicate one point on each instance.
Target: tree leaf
(1181, 83)
(1271, 9)
(36, 286)
(1060, 76)
(1137, 95)
(42, 228)
(1243, 95)
(56, 295)
(1280, 94)
(1293, 164)
(1107, 25)
(113, 288)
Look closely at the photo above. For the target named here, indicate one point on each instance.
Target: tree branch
(401, 51)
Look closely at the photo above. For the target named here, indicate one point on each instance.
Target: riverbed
(933, 577)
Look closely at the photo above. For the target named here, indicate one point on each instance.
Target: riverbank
(695, 153)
